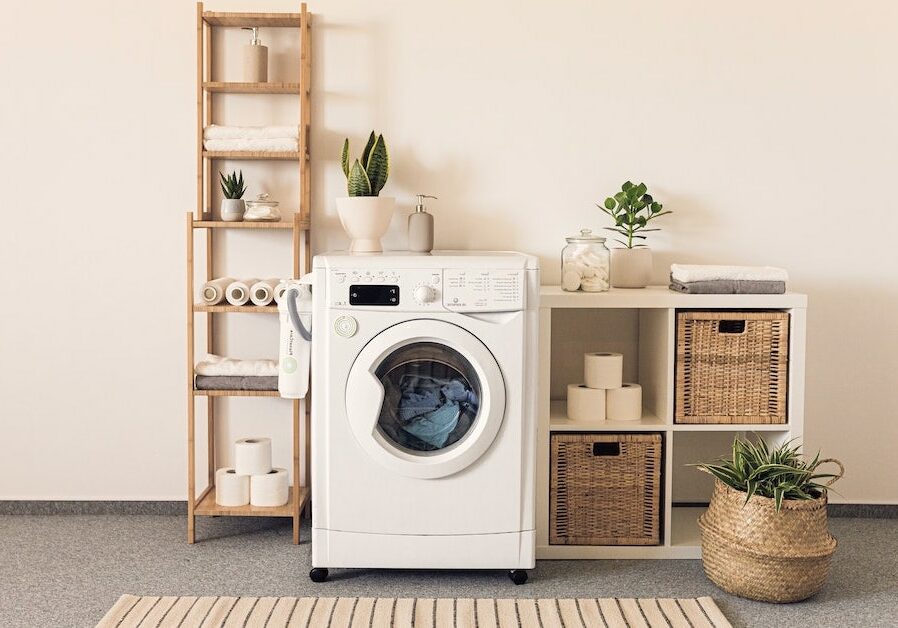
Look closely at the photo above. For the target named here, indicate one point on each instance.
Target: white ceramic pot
(631, 268)
(232, 209)
(365, 220)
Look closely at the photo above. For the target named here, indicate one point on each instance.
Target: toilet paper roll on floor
(270, 489)
(213, 292)
(238, 292)
(624, 403)
(585, 404)
(603, 370)
(231, 489)
(252, 456)
(262, 292)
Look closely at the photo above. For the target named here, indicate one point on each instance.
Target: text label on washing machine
(483, 290)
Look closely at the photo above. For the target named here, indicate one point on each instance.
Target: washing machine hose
(291, 296)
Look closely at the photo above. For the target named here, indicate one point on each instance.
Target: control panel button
(346, 326)
(425, 294)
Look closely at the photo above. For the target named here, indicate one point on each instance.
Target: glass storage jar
(585, 263)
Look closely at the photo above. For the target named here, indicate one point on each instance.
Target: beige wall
(770, 129)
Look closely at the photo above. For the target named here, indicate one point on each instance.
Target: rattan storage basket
(750, 550)
(605, 489)
(732, 367)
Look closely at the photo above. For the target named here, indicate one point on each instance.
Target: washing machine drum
(425, 398)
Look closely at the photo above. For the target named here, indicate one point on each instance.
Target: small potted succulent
(365, 214)
(764, 535)
(232, 205)
(631, 209)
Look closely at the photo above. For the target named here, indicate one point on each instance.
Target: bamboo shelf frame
(202, 225)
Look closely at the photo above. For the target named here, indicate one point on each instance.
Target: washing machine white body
(382, 496)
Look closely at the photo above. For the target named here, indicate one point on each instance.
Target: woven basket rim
(737, 545)
(769, 502)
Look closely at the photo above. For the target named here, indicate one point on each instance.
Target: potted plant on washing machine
(631, 209)
(764, 535)
(365, 214)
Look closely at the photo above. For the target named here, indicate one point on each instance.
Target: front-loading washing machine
(423, 411)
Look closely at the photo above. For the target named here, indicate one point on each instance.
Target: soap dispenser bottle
(255, 59)
(420, 228)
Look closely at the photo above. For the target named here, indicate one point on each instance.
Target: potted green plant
(232, 205)
(764, 535)
(631, 209)
(365, 214)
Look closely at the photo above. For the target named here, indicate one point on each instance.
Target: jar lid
(586, 236)
(262, 201)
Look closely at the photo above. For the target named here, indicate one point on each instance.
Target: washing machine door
(425, 398)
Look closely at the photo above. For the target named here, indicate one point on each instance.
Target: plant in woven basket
(232, 185)
(781, 472)
(632, 209)
(368, 174)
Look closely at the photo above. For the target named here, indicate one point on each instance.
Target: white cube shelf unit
(641, 324)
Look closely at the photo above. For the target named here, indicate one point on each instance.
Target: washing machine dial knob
(425, 294)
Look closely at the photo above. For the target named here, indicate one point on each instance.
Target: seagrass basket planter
(753, 551)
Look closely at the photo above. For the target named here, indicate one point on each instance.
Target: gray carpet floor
(68, 570)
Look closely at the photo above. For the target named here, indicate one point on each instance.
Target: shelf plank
(616, 552)
(207, 506)
(236, 393)
(258, 309)
(220, 224)
(293, 155)
(231, 87)
(731, 427)
(663, 297)
(558, 422)
(221, 18)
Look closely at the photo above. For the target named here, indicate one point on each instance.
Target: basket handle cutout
(838, 475)
(731, 327)
(606, 449)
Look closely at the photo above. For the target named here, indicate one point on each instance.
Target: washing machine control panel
(458, 290)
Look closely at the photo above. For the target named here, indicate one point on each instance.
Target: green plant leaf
(641, 189)
(626, 186)
(368, 146)
(358, 184)
(378, 165)
(655, 207)
(610, 203)
(344, 158)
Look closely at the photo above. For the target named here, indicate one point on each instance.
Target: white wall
(769, 128)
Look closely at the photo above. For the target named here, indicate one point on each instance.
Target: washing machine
(423, 411)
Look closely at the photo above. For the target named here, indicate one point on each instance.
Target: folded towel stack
(251, 138)
(711, 279)
(220, 373)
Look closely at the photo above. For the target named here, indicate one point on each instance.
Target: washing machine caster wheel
(319, 574)
(518, 576)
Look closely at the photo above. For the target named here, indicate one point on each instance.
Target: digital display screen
(373, 295)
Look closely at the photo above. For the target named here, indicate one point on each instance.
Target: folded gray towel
(728, 286)
(236, 382)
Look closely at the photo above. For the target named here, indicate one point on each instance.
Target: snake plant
(780, 473)
(232, 185)
(367, 175)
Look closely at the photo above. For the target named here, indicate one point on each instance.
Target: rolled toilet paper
(585, 404)
(252, 456)
(231, 489)
(238, 292)
(269, 489)
(624, 403)
(603, 370)
(262, 292)
(279, 291)
(213, 292)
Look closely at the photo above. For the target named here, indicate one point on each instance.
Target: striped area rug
(351, 612)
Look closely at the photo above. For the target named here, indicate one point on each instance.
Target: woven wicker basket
(750, 550)
(605, 489)
(732, 367)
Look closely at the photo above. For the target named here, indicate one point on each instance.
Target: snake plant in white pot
(365, 214)
(631, 209)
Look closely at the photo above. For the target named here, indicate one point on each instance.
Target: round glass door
(431, 397)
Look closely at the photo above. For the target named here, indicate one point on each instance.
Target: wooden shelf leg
(296, 477)
(191, 402)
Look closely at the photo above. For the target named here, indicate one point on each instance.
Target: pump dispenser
(255, 59)
(420, 228)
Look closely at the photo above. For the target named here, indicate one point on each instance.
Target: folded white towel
(687, 273)
(217, 366)
(221, 132)
(275, 145)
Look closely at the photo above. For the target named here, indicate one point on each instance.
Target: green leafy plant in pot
(764, 535)
(632, 209)
(232, 205)
(365, 214)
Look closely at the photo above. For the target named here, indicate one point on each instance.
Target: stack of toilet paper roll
(241, 291)
(604, 395)
(252, 479)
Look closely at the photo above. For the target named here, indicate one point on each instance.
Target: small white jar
(585, 263)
